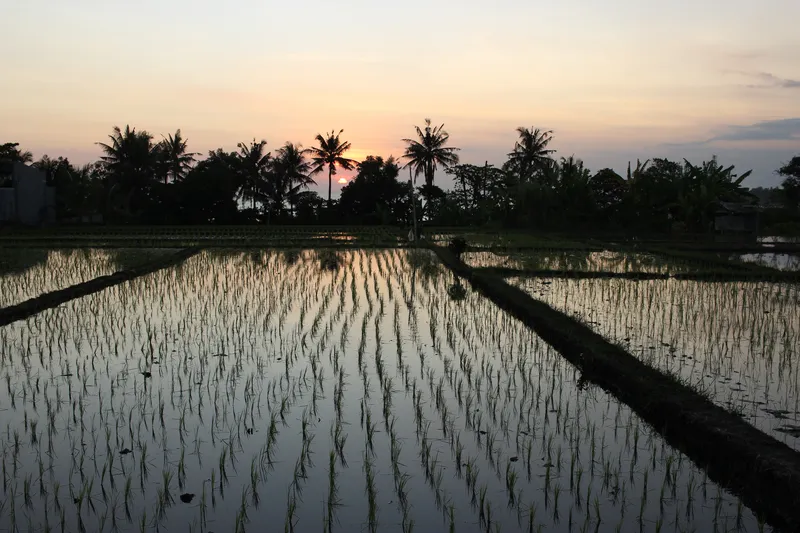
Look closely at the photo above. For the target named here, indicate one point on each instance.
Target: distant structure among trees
(25, 197)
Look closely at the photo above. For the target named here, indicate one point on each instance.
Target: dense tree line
(141, 180)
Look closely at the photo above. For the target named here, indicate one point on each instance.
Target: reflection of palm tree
(177, 159)
(530, 154)
(290, 257)
(456, 291)
(330, 153)
(428, 151)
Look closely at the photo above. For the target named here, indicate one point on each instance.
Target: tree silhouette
(208, 192)
(707, 185)
(574, 191)
(308, 206)
(253, 164)
(483, 190)
(10, 154)
(608, 190)
(175, 156)
(530, 155)
(330, 153)
(129, 162)
(288, 177)
(130, 157)
(375, 195)
(790, 187)
(428, 151)
(53, 167)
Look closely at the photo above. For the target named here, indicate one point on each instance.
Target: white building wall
(29, 184)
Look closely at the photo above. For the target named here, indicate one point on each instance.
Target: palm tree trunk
(429, 174)
(330, 179)
(413, 205)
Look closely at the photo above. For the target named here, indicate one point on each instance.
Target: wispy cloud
(787, 129)
(769, 80)
(770, 130)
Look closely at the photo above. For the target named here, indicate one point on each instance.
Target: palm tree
(331, 153)
(129, 162)
(130, 157)
(253, 166)
(427, 152)
(530, 154)
(574, 187)
(177, 160)
(290, 175)
(52, 167)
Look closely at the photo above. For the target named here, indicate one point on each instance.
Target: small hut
(736, 219)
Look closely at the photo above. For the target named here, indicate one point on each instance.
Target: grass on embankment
(762, 471)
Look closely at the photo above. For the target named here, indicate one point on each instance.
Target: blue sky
(616, 80)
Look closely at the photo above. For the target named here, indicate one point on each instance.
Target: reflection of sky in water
(606, 261)
(26, 273)
(457, 376)
(776, 240)
(779, 261)
(737, 340)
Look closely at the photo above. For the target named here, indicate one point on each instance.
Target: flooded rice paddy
(772, 260)
(27, 273)
(581, 261)
(734, 341)
(323, 391)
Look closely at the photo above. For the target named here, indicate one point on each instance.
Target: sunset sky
(616, 80)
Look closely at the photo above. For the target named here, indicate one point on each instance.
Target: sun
(343, 181)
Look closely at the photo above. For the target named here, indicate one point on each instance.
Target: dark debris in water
(778, 413)
(125, 451)
(187, 497)
(792, 430)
